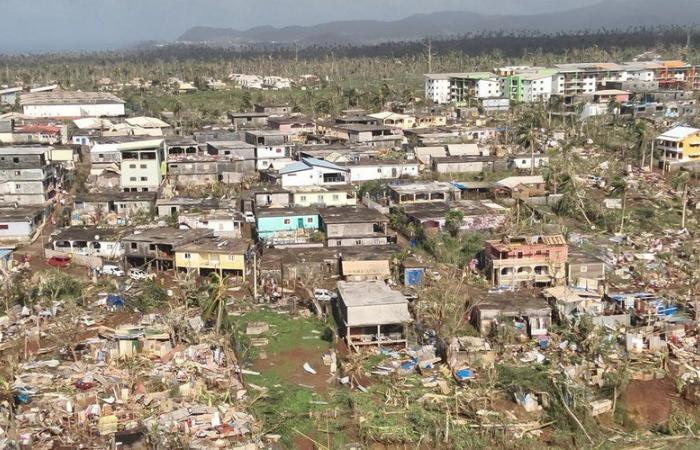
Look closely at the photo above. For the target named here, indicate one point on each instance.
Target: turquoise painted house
(286, 225)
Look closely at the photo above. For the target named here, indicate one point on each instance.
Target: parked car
(59, 261)
(110, 269)
(324, 295)
(249, 217)
(138, 274)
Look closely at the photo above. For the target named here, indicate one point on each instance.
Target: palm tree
(641, 134)
(619, 187)
(216, 302)
(527, 137)
(680, 181)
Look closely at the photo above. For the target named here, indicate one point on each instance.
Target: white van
(112, 270)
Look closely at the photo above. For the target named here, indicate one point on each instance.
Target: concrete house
(26, 176)
(422, 192)
(104, 243)
(464, 164)
(155, 247)
(292, 125)
(525, 315)
(114, 208)
(68, 104)
(322, 196)
(21, 223)
(371, 313)
(142, 166)
(351, 226)
(313, 172)
(8, 96)
(392, 119)
(526, 260)
(380, 136)
(249, 120)
(478, 215)
(219, 216)
(213, 255)
(678, 144)
(380, 169)
(285, 226)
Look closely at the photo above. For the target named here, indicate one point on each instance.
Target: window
(15, 160)
(151, 247)
(335, 197)
(132, 178)
(144, 178)
(302, 198)
(358, 242)
(379, 170)
(309, 220)
(4, 226)
(134, 245)
(338, 243)
(187, 256)
(132, 166)
(584, 269)
(18, 187)
(287, 221)
(17, 172)
(143, 166)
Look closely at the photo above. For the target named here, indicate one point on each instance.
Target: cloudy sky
(51, 25)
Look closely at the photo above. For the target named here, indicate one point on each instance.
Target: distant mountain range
(609, 14)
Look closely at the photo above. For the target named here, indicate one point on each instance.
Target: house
(272, 156)
(568, 302)
(494, 105)
(465, 164)
(371, 313)
(526, 260)
(585, 271)
(430, 120)
(155, 247)
(113, 208)
(285, 226)
(312, 172)
(349, 226)
(19, 224)
(380, 136)
(292, 125)
(526, 161)
(521, 187)
(234, 159)
(69, 104)
(225, 256)
(392, 119)
(437, 88)
(379, 169)
(248, 119)
(8, 96)
(367, 263)
(31, 134)
(524, 314)
(26, 176)
(424, 154)
(611, 95)
(272, 197)
(477, 215)
(217, 215)
(422, 192)
(322, 196)
(678, 144)
(155, 127)
(103, 243)
(194, 171)
(273, 110)
(142, 166)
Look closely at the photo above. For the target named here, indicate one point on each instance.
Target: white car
(112, 270)
(324, 295)
(249, 217)
(138, 274)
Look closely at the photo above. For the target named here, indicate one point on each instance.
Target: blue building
(286, 225)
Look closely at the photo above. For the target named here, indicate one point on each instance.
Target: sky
(74, 25)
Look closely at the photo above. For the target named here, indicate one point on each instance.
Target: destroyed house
(350, 226)
(248, 119)
(527, 315)
(466, 164)
(526, 260)
(155, 247)
(422, 192)
(585, 271)
(114, 208)
(646, 307)
(371, 313)
(477, 215)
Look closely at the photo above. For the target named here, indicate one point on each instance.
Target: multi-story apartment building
(141, 163)
(524, 260)
(26, 176)
(677, 145)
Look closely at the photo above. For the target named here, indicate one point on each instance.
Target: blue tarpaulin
(115, 301)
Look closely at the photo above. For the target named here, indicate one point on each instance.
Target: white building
(313, 172)
(65, 104)
(141, 169)
(537, 87)
(437, 87)
(368, 170)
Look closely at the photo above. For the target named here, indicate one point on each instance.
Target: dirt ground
(650, 403)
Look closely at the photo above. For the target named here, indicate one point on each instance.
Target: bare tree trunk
(624, 204)
(685, 205)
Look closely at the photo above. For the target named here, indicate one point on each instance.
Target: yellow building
(677, 145)
(224, 256)
(322, 195)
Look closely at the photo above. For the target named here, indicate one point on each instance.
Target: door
(300, 223)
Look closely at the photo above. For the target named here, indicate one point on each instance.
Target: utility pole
(255, 275)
